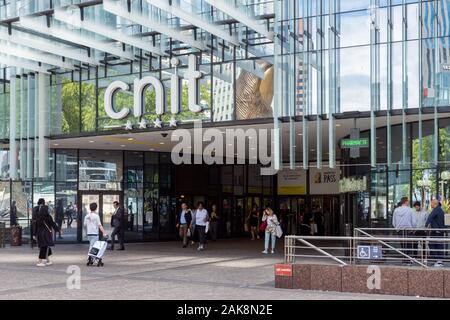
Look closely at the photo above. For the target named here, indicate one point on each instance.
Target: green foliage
(71, 96)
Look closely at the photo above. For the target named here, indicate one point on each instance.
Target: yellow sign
(291, 190)
(291, 182)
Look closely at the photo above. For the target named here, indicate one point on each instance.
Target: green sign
(355, 143)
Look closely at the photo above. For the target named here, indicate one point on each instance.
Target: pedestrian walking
(184, 223)
(270, 232)
(59, 216)
(214, 223)
(117, 223)
(435, 221)
(44, 226)
(93, 225)
(201, 217)
(69, 214)
(253, 220)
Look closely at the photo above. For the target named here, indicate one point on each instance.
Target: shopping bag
(188, 233)
(313, 228)
(207, 227)
(278, 231)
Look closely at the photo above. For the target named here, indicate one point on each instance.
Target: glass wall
(100, 170)
(133, 194)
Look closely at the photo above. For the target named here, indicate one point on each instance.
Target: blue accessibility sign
(370, 252)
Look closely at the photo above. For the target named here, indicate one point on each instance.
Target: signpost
(284, 270)
(370, 252)
(355, 143)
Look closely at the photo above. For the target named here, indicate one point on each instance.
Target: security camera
(164, 134)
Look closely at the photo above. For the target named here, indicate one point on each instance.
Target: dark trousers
(117, 231)
(437, 248)
(59, 223)
(213, 230)
(201, 234)
(45, 252)
(69, 220)
(406, 246)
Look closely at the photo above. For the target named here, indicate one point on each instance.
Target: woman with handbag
(270, 219)
(45, 226)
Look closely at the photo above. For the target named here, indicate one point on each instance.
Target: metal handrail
(366, 238)
(323, 252)
(395, 249)
(290, 246)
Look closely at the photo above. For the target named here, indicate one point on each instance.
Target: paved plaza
(228, 269)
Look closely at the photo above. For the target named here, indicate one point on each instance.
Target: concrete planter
(393, 280)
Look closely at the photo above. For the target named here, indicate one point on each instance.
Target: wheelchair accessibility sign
(369, 252)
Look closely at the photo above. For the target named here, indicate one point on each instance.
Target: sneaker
(272, 252)
(265, 252)
(199, 248)
(40, 264)
(48, 263)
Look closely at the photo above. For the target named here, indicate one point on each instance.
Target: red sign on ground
(283, 270)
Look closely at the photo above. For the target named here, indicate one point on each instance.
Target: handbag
(278, 231)
(263, 226)
(188, 233)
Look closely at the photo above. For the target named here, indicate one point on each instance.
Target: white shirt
(420, 219)
(183, 217)
(91, 223)
(200, 216)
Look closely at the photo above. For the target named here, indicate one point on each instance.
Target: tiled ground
(228, 269)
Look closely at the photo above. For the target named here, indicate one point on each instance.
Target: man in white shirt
(93, 224)
(419, 218)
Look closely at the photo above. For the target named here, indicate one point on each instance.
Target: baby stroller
(95, 255)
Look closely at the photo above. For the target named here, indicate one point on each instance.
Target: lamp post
(425, 186)
(445, 177)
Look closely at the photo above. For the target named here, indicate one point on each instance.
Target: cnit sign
(192, 75)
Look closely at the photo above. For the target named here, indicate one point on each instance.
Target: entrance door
(105, 209)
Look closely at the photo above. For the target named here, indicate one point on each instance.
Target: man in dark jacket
(117, 223)
(184, 220)
(436, 220)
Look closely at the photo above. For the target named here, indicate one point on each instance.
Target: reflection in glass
(100, 170)
(66, 212)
